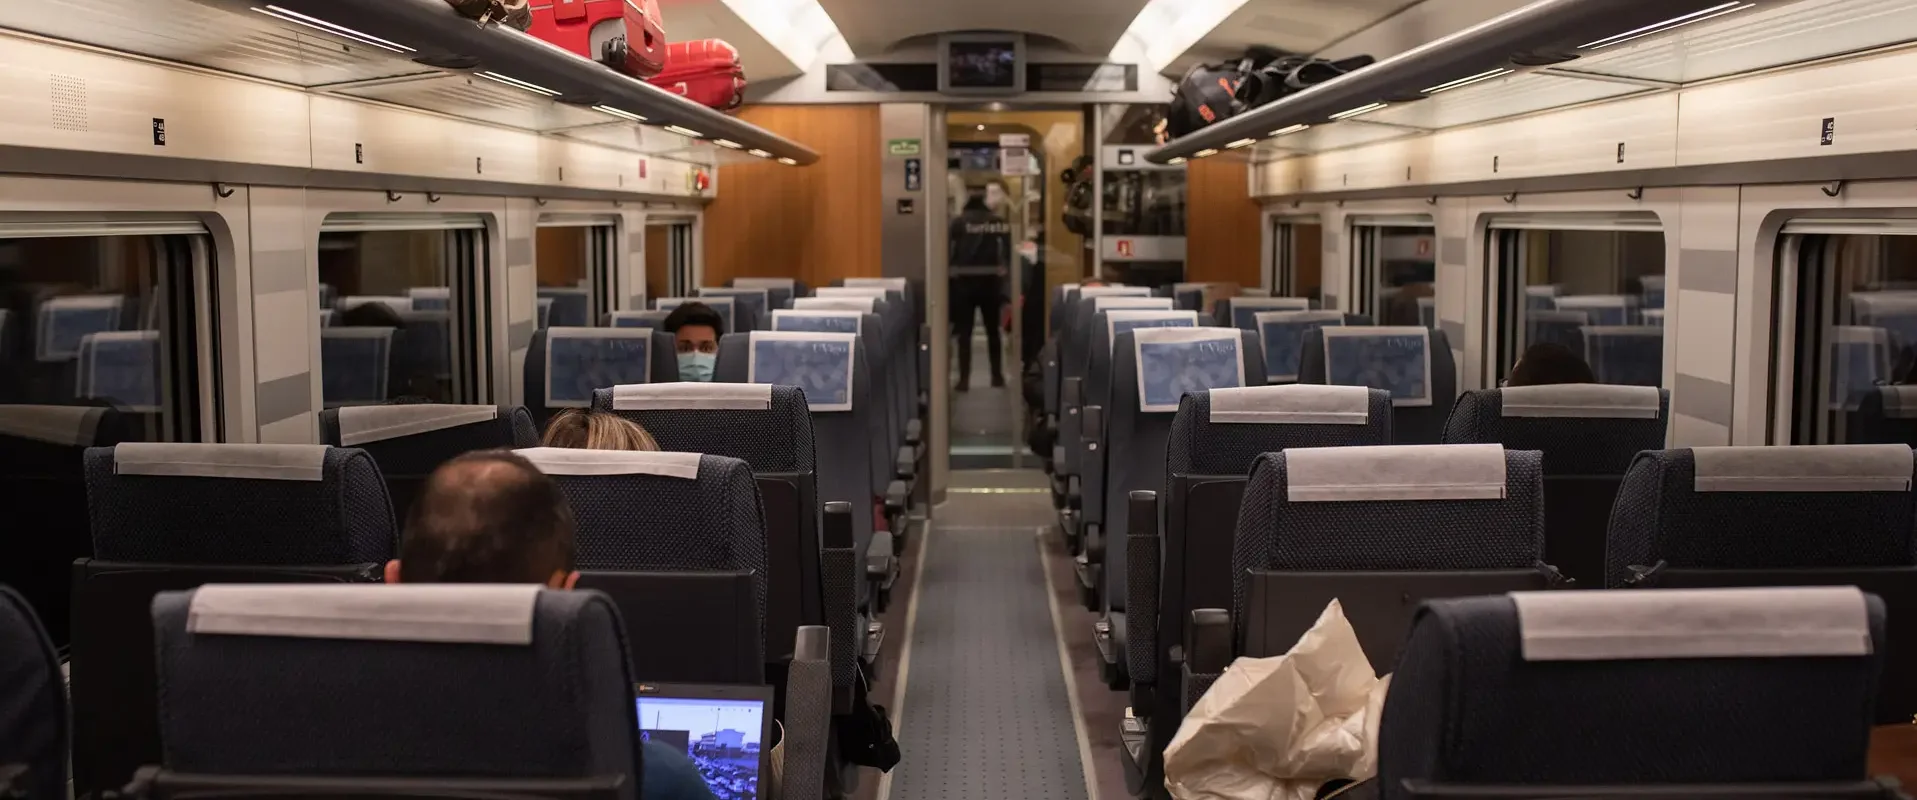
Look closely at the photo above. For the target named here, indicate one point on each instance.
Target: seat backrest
(424, 681)
(768, 427)
(726, 307)
(1086, 448)
(1549, 326)
(1886, 414)
(122, 368)
(1282, 335)
(565, 365)
(1630, 355)
(409, 441)
(1860, 359)
(355, 365)
(1241, 312)
(1414, 364)
(431, 298)
(752, 304)
(819, 320)
(63, 322)
(779, 291)
(234, 504)
(1764, 508)
(633, 318)
(1222, 431)
(1735, 686)
(1395, 508)
(1582, 428)
(1600, 309)
(1057, 305)
(33, 700)
(571, 306)
(829, 370)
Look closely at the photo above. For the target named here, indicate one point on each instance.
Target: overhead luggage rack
(1549, 54)
(406, 52)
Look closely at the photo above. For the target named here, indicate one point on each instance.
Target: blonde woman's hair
(596, 430)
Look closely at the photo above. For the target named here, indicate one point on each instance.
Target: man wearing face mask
(696, 327)
(981, 253)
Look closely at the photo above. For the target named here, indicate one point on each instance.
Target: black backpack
(1278, 77)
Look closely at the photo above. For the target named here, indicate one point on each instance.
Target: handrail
(440, 37)
(1544, 33)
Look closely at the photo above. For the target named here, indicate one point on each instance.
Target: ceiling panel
(1495, 99)
(190, 33)
(1296, 26)
(473, 97)
(690, 20)
(873, 27)
(1759, 39)
(1320, 138)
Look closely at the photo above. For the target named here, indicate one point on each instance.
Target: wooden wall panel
(813, 223)
(1222, 234)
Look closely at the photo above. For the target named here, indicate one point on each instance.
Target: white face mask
(994, 196)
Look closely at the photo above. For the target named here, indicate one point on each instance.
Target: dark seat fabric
(1574, 442)
(1413, 422)
(42, 467)
(340, 516)
(408, 442)
(1198, 445)
(1661, 516)
(33, 701)
(331, 705)
(1275, 533)
(1464, 709)
(590, 359)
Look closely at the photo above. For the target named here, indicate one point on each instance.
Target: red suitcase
(626, 35)
(706, 72)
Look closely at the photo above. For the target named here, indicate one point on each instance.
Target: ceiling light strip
(517, 83)
(1241, 143)
(337, 30)
(1298, 128)
(1482, 76)
(1364, 109)
(1205, 153)
(686, 132)
(1669, 24)
(620, 113)
(728, 143)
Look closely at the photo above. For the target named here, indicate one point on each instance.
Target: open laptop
(726, 729)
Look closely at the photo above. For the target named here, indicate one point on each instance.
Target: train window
(575, 260)
(1297, 259)
(90, 317)
(1594, 286)
(403, 311)
(1394, 266)
(1846, 325)
(669, 271)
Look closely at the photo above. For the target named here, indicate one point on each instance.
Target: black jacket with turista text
(981, 242)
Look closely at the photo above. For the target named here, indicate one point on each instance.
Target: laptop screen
(722, 730)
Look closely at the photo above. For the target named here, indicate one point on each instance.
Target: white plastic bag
(1278, 728)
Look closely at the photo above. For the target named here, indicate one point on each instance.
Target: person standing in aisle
(980, 257)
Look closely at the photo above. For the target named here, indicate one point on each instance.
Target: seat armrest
(1208, 640)
(1141, 588)
(907, 463)
(808, 716)
(839, 579)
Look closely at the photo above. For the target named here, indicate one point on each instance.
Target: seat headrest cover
(1300, 404)
(1805, 468)
(1900, 402)
(764, 283)
(865, 304)
(272, 462)
(1173, 361)
(1115, 291)
(1693, 623)
(598, 333)
(1395, 472)
(573, 461)
(894, 284)
(692, 395)
(1587, 400)
(66, 425)
(850, 291)
(441, 612)
(362, 424)
(1121, 301)
(395, 302)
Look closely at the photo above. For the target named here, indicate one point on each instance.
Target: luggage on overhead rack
(705, 71)
(626, 35)
(1212, 92)
(510, 13)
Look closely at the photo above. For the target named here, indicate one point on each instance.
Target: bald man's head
(487, 517)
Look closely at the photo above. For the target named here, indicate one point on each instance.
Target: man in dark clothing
(981, 253)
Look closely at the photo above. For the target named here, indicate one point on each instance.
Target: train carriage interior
(859, 400)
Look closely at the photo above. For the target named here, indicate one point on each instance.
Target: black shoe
(964, 384)
(998, 381)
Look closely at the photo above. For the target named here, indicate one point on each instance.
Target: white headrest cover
(394, 302)
(361, 424)
(598, 333)
(1805, 468)
(1586, 400)
(1595, 301)
(1693, 623)
(570, 461)
(1900, 401)
(893, 284)
(865, 304)
(1273, 303)
(851, 291)
(1122, 301)
(692, 395)
(67, 425)
(1299, 404)
(764, 283)
(1395, 472)
(426, 612)
(1110, 291)
(270, 462)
